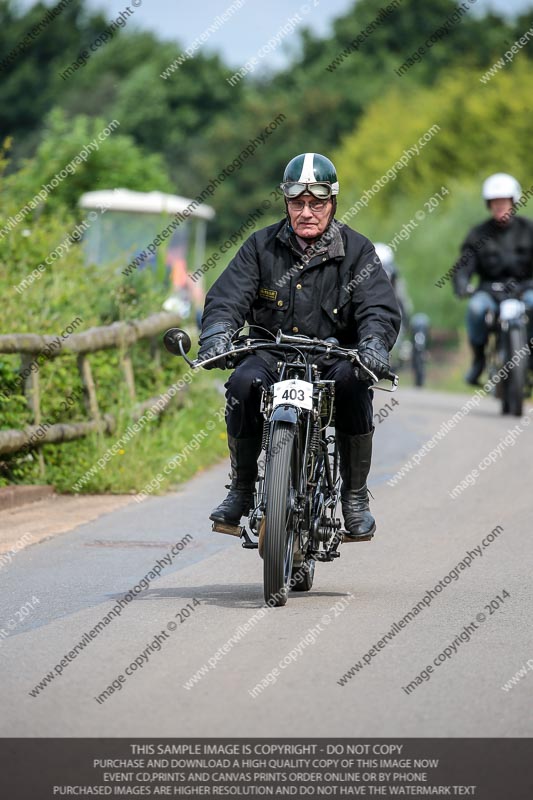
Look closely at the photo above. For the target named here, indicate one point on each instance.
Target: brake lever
(357, 358)
(389, 377)
(394, 383)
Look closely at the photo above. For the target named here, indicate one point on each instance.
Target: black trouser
(353, 398)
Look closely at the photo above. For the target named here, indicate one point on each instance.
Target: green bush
(47, 300)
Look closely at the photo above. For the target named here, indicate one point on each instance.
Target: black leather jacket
(496, 254)
(337, 288)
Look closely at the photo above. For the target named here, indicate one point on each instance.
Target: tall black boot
(478, 364)
(355, 454)
(243, 458)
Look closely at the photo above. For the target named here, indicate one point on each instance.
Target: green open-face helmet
(310, 172)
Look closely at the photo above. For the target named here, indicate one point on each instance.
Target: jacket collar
(330, 241)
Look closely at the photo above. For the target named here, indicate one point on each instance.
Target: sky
(249, 28)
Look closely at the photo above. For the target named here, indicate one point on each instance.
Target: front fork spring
(315, 438)
(266, 435)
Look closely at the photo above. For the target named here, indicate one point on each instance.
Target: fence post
(89, 391)
(32, 392)
(127, 369)
(119, 335)
(155, 352)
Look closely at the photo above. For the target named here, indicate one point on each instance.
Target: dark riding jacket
(336, 287)
(496, 253)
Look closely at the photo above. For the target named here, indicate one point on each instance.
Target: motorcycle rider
(303, 275)
(413, 325)
(386, 256)
(499, 250)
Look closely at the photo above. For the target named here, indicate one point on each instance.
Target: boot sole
(225, 527)
(365, 537)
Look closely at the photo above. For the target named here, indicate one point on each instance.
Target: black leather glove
(374, 355)
(214, 341)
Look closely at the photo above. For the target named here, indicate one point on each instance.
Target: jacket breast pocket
(343, 315)
(269, 313)
(334, 300)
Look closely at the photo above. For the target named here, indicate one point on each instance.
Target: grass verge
(196, 432)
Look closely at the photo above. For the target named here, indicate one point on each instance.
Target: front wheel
(280, 493)
(513, 399)
(419, 360)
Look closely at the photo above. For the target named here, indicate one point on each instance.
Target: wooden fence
(119, 335)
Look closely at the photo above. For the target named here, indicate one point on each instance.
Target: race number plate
(295, 392)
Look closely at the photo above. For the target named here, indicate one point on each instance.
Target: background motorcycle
(508, 339)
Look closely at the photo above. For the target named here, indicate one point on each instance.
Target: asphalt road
(67, 584)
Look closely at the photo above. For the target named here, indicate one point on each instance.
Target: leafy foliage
(177, 134)
(482, 129)
(117, 162)
(48, 299)
(198, 123)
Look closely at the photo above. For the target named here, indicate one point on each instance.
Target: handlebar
(508, 286)
(179, 343)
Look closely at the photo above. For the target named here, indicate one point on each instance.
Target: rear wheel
(513, 400)
(303, 576)
(278, 541)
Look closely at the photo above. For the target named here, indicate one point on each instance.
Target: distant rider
(388, 260)
(499, 250)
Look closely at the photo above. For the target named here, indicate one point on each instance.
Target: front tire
(279, 516)
(419, 362)
(516, 379)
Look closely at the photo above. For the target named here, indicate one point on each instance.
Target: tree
(111, 161)
(29, 75)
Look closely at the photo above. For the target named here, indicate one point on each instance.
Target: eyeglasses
(292, 189)
(316, 206)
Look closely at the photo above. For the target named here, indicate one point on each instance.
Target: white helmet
(385, 254)
(501, 185)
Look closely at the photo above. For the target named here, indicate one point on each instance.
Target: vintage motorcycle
(294, 518)
(507, 351)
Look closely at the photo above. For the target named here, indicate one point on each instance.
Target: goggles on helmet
(293, 189)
